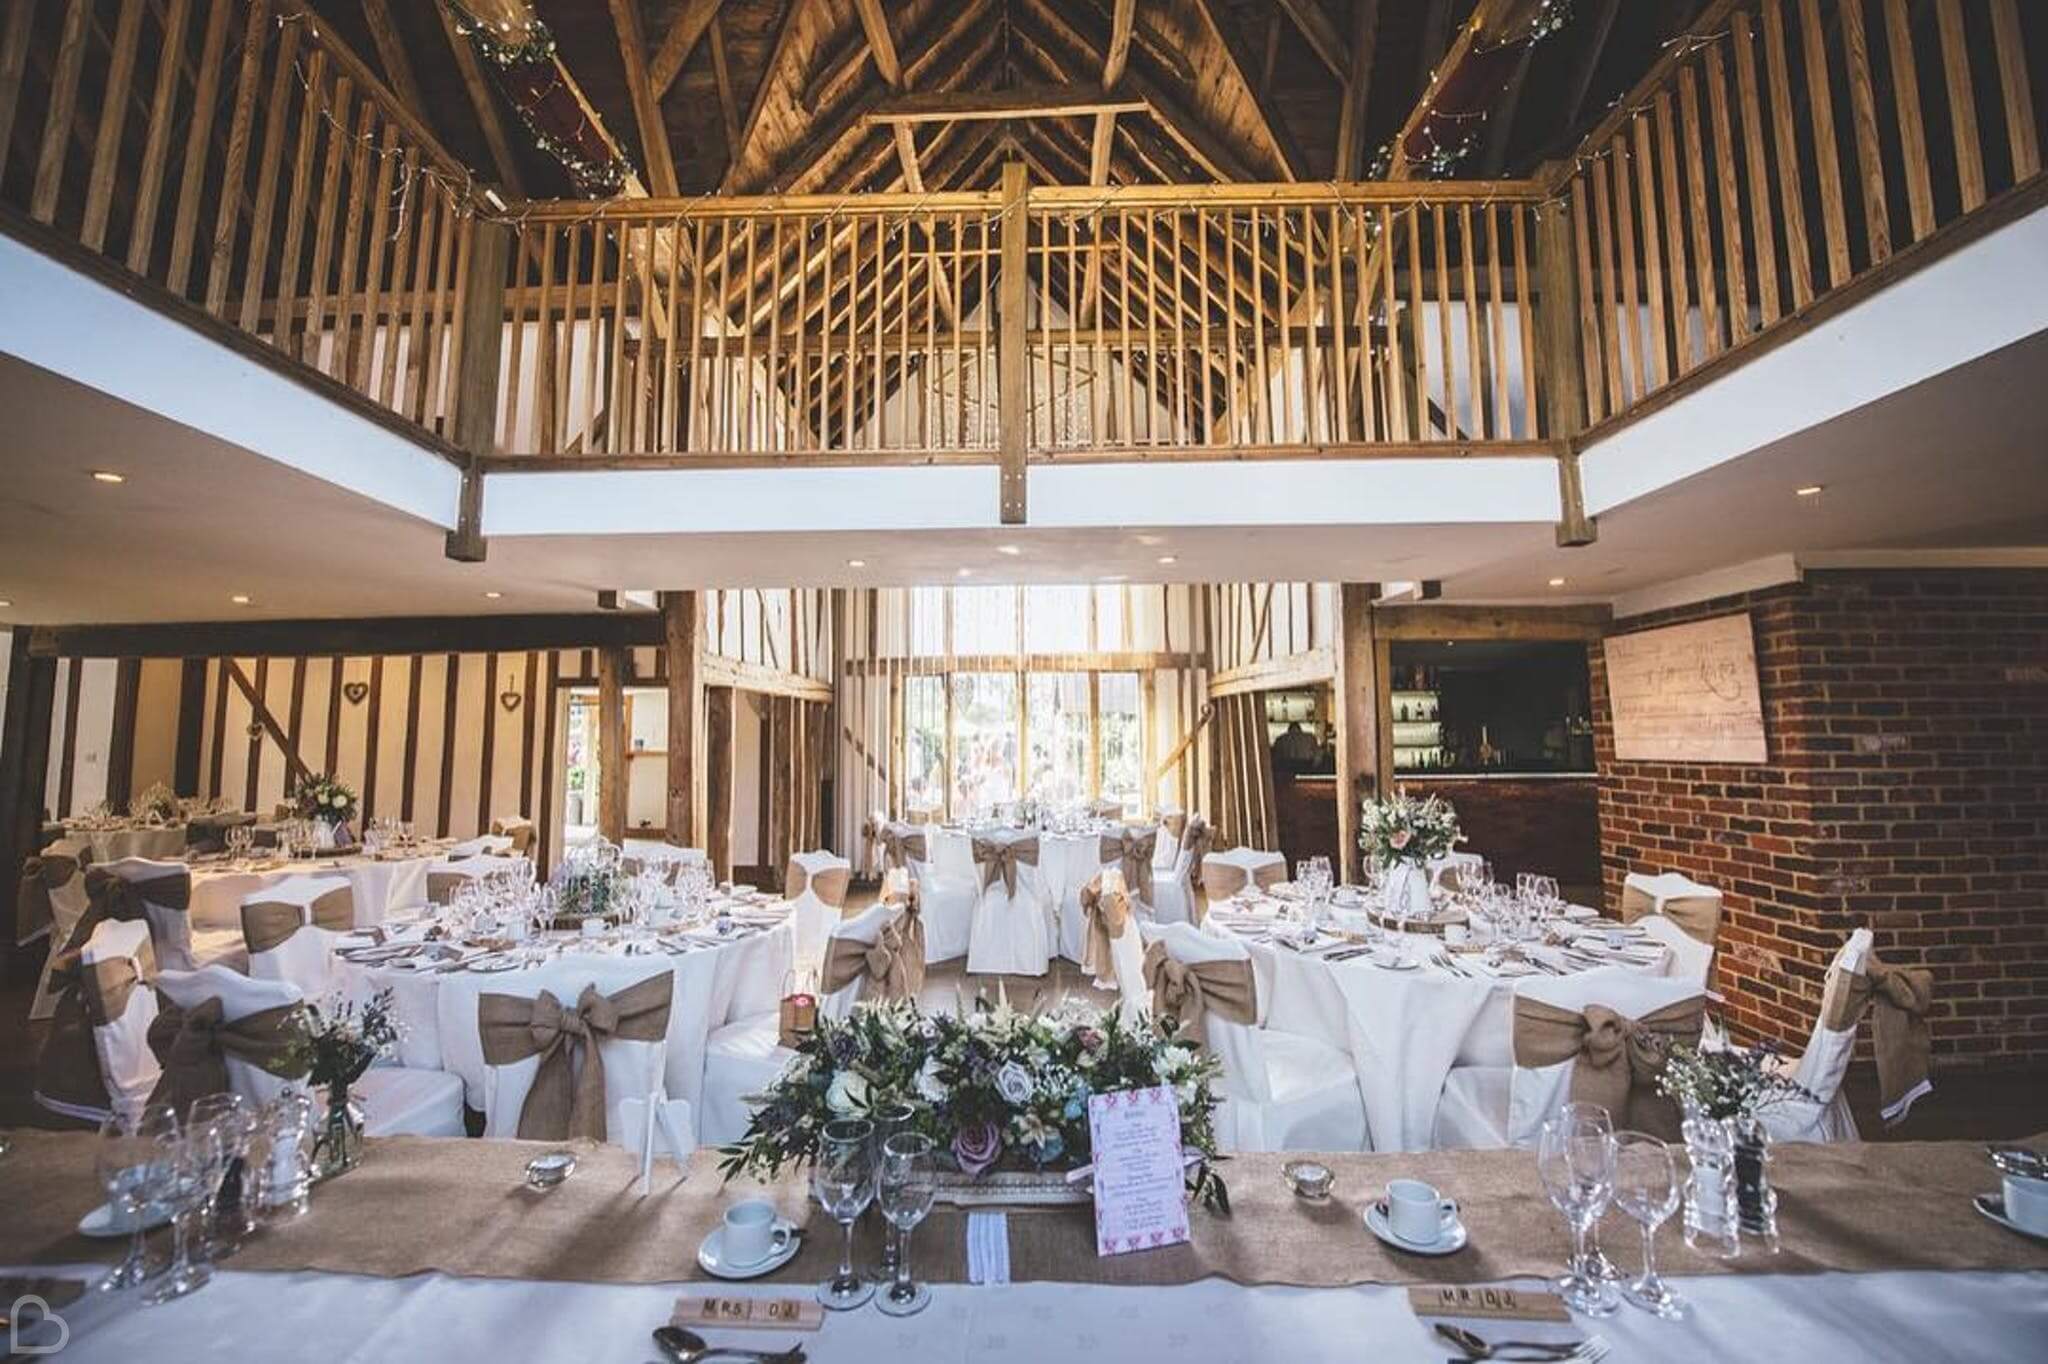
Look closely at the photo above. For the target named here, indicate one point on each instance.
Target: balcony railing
(238, 156)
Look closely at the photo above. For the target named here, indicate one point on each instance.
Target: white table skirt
(378, 886)
(1403, 1029)
(1065, 862)
(1737, 1319)
(713, 987)
(161, 842)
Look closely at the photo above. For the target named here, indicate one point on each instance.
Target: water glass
(843, 1181)
(1646, 1187)
(889, 1120)
(129, 1161)
(1576, 1163)
(907, 1182)
(230, 1212)
(190, 1172)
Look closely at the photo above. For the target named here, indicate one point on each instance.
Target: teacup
(2026, 1203)
(751, 1233)
(1417, 1213)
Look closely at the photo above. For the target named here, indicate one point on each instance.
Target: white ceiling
(1955, 462)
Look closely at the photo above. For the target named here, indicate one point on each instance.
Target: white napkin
(988, 1247)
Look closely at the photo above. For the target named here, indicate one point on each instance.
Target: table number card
(1140, 1201)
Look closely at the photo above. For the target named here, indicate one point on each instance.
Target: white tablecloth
(1737, 1319)
(713, 986)
(378, 886)
(1065, 862)
(109, 845)
(1404, 1029)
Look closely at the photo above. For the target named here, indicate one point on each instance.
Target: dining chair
(1680, 913)
(1451, 866)
(745, 1056)
(290, 928)
(1012, 930)
(815, 883)
(56, 875)
(1226, 873)
(522, 1032)
(165, 889)
(1489, 1107)
(1173, 891)
(96, 1061)
(945, 897)
(396, 1100)
(445, 876)
(518, 828)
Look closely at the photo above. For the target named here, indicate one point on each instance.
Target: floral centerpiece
(588, 884)
(1403, 835)
(328, 804)
(330, 1045)
(157, 805)
(995, 1088)
(1731, 1082)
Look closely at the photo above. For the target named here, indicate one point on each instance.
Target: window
(984, 742)
(1123, 758)
(924, 743)
(984, 621)
(1056, 718)
(1055, 620)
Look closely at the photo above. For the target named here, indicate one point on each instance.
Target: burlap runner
(460, 1207)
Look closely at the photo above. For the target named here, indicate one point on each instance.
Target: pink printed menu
(1140, 1200)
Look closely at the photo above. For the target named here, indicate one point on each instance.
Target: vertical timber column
(611, 743)
(1562, 366)
(1360, 686)
(781, 723)
(1013, 381)
(24, 759)
(720, 765)
(683, 638)
(480, 323)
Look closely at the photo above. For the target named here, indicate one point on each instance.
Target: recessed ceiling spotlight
(1150, 540)
(494, 595)
(4, 604)
(108, 476)
(1169, 559)
(856, 563)
(1010, 550)
(1557, 582)
(963, 572)
(1810, 490)
(240, 599)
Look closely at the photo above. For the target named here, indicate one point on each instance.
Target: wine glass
(1600, 1120)
(128, 1161)
(188, 1176)
(843, 1181)
(230, 1211)
(890, 1119)
(1646, 1188)
(908, 1180)
(1575, 1160)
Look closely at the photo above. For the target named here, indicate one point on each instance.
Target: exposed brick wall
(1906, 714)
(1548, 825)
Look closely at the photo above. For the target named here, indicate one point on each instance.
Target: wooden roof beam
(479, 92)
(654, 144)
(691, 23)
(881, 47)
(1035, 101)
(1314, 23)
(728, 103)
(1491, 23)
(398, 73)
(1118, 55)
(1365, 31)
(1278, 139)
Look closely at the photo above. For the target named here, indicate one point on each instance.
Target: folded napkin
(988, 1247)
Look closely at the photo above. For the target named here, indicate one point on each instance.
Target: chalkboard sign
(1686, 693)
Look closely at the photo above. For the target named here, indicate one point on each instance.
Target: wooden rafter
(398, 73)
(654, 145)
(1117, 56)
(781, 57)
(881, 46)
(1491, 23)
(1314, 23)
(1036, 101)
(1365, 30)
(1278, 140)
(690, 25)
(479, 91)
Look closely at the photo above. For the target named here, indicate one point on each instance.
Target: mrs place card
(1140, 1202)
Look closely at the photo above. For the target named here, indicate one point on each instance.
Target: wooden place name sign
(1504, 1304)
(729, 1312)
(1686, 693)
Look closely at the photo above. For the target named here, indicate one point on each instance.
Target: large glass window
(1055, 620)
(924, 743)
(1122, 740)
(1057, 720)
(984, 742)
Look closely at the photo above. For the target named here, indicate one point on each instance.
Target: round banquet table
(159, 841)
(317, 1317)
(715, 984)
(1404, 1029)
(1065, 862)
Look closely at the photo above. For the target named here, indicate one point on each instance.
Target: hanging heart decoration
(355, 692)
(510, 700)
(254, 729)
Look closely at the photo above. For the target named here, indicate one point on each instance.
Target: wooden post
(121, 738)
(1359, 686)
(191, 725)
(611, 743)
(720, 765)
(1563, 366)
(1012, 354)
(683, 637)
(480, 327)
(24, 758)
(781, 726)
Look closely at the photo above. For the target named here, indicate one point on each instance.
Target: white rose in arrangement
(929, 1086)
(848, 1094)
(1013, 1082)
(798, 1069)
(1171, 1061)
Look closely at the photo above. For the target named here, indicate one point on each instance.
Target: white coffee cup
(1456, 935)
(752, 1233)
(2026, 1203)
(1417, 1213)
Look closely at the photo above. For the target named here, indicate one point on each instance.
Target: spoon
(687, 1347)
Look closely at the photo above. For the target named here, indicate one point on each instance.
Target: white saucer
(1449, 1244)
(1390, 962)
(1993, 1206)
(104, 1224)
(709, 1261)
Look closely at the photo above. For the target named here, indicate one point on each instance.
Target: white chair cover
(67, 902)
(745, 1056)
(815, 913)
(306, 958)
(127, 1065)
(632, 1070)
(1173, 890)
(1690, 958)
(1822, 1067)
(946, 899)
(1240, 867)
(240, 996)
(1494, 1106)
(170, 927)
(1011, 934)
(1282, 1091)
(473, 868)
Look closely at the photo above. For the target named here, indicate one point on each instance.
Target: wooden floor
(1977, 1105)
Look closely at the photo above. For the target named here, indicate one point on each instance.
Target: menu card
(1140, 1202)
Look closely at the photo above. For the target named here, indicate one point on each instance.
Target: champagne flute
(908, 1180)
(1646, 1187)
(1575, 1160)
(843, 1180)
(889, 1120)
(1598, 1119)
(129, 1163)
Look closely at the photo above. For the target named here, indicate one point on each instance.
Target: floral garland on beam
(1451, 128)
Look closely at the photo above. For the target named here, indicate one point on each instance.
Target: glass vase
(339, 1146)
(1756, 1202)
(1711, 1215)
